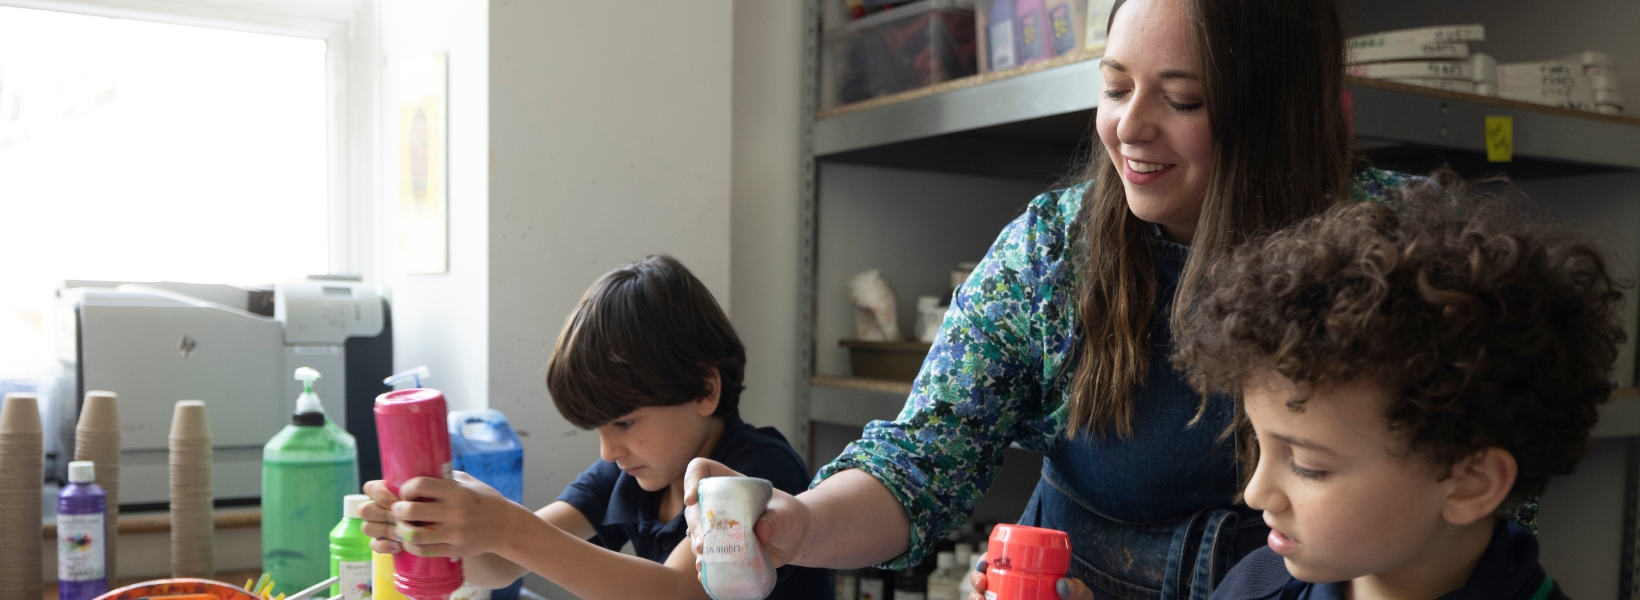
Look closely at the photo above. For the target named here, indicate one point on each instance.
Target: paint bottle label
(355, 579)
(1001, 36)
(80, 547)
(1033, 43)
(1002, 45)
(725, 539)
(1064, 31)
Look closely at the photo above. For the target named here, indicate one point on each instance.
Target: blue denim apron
(1152, 514)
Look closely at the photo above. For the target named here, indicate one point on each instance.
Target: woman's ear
(706, 405)
(1480, 483)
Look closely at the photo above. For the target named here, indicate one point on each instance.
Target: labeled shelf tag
(1500, 139)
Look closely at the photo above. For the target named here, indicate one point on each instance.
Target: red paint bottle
(412, 432)
(1025, 563)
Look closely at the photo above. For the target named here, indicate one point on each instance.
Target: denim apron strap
(1203, 549)
(1214, 556)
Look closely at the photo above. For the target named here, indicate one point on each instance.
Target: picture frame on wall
(423, 174)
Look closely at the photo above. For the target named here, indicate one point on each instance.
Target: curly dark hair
(1496, 328)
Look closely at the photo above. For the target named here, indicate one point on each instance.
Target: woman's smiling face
(1152, 116)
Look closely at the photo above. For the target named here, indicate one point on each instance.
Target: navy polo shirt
(1507, 570)
(621, 511)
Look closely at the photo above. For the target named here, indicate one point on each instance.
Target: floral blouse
(998, 373)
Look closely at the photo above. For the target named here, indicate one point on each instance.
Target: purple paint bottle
(81, 554)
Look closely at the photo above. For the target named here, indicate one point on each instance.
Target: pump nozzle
(306, 376)
(413, 375)
(308, 402)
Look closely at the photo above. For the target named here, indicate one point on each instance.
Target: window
(140, 150)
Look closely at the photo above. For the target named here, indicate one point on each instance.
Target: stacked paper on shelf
(1439, 34)
(1581, 81)
(1356, 56)
(1456, 85)
(1437, 57)
(1484, 72)
(1424, 69)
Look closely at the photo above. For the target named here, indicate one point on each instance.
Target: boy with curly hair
(1410, 373)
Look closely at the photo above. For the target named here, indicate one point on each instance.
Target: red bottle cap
(1031, 549)
(1024, 563)
(409, 402)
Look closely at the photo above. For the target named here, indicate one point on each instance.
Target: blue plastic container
(483, 445)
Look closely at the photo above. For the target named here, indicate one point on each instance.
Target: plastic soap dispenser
(305, 468)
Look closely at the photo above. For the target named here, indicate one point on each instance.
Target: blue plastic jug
(483, 445)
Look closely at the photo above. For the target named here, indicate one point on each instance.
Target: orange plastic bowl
(183, 588)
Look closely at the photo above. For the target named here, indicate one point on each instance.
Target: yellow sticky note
(1500, 139)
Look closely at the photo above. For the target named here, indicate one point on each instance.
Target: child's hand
(780, 529)
(457, 517)
(378, 518)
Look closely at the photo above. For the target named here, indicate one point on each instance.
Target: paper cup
(21, 468)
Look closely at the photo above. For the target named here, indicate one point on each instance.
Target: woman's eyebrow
(1168, 74)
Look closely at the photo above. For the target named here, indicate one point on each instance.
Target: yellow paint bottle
(382, 575)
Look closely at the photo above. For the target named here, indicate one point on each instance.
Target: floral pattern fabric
(998, 373)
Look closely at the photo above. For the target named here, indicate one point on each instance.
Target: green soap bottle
(305, 468)
(350, 560)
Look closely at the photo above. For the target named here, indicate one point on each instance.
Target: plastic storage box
(1012, 33)
(916, 45)
(885, 360)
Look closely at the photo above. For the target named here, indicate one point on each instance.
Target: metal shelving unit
(994, 125)
(1036, 124)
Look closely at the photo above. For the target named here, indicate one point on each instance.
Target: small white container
(734, 566)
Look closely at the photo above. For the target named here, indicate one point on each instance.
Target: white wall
(442, 321)
(766, 201)
(609, 140)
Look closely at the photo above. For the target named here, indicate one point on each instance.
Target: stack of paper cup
(97, 439)
(21, 473)
(191, 528)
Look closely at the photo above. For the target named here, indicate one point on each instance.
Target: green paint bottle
(350, 560)
(305, 468)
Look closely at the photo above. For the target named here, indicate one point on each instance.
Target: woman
(1220, 119)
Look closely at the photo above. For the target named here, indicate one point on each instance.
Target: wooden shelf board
(1491, 101)
(157, 522)
(861, 383)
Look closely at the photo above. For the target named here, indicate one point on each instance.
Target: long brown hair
(1272, 75)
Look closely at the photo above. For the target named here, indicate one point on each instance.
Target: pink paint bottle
(414, 437)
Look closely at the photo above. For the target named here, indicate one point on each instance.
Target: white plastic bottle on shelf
(966, 586)
(944, 582)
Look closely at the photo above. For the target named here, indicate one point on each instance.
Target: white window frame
(351, 30)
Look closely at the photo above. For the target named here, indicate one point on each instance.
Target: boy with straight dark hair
(650, 362)
(1408, 374)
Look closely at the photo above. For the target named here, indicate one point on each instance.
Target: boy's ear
(706, 405)
(1480, 483)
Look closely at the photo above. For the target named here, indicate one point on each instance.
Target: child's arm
(493, 572)
(465, 518)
